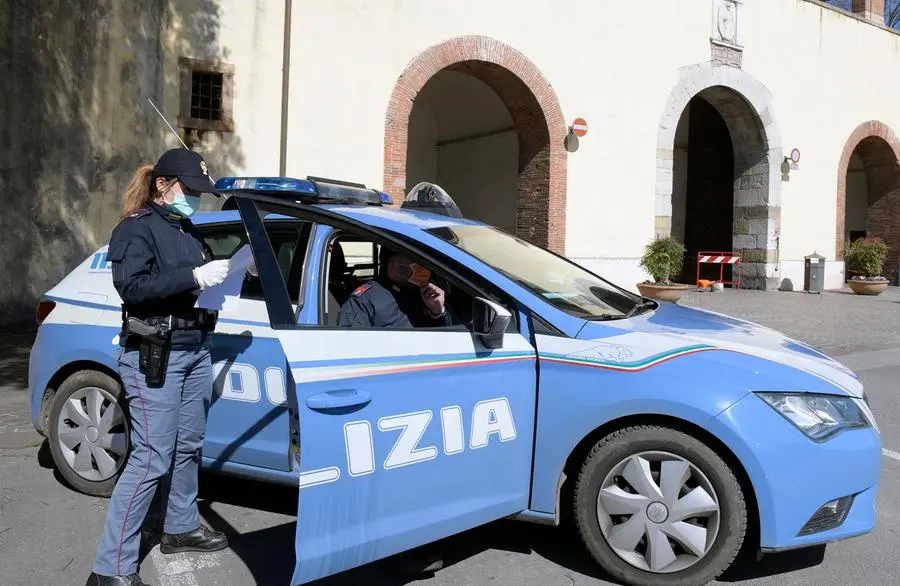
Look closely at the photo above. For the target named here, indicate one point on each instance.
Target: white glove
(212, 273)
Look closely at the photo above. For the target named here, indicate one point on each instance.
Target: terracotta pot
(663, 292)
(867, 287)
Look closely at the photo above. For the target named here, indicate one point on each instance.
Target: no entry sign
(579, 127)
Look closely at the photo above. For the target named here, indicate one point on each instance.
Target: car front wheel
(88, 431)
(655, 506)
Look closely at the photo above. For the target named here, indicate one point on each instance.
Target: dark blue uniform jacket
(381, 303)
(153, 253)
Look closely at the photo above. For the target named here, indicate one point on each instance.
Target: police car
(673, 436)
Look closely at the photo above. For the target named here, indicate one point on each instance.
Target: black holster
(154, 349)
(154, 357)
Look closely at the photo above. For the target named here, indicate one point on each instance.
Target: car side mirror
(490, 321)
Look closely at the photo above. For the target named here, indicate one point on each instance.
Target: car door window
(352, 260)
(288, 239)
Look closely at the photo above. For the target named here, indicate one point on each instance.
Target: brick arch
(879, 149)
(535, 110)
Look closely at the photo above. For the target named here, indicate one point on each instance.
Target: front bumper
(794, 477)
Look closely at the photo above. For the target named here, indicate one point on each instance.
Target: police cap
(189, 167)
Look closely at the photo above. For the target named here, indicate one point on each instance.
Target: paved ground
(48, 532)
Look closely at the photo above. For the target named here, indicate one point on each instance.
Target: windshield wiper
(606, 317)
(642, 304)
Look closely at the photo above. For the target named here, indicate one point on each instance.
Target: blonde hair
(140, 190)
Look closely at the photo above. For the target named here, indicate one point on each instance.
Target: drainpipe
(285, 78)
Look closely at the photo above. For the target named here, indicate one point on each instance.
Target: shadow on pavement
(558, 545)
(268, 552)
(15, 349)
(45, 457)
(45, 460)
(775, 564)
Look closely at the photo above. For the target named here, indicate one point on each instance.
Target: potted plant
(864, 259)
(663, 259)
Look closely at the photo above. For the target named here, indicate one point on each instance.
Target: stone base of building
(788, 275)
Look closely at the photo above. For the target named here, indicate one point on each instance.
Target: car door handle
(338, 399)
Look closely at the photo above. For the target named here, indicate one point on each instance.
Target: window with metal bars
(206, 95)
(206, 102)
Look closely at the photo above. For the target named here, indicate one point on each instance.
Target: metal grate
(206, 95)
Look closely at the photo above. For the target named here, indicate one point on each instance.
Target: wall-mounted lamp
(789, 164)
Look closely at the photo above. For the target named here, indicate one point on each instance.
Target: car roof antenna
(167, 123)
(172, 129)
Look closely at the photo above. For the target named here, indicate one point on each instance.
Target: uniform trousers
(168, 425)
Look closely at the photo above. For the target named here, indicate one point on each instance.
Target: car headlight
(819, 417)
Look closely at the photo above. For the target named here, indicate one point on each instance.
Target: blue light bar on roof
(309, 190)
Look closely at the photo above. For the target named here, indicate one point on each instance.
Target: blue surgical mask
(184, 204)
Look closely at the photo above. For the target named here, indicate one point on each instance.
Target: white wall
(422, 158)
(481, 175)
(615, 64)
(833, 76)
(610, 179)
(247, 35)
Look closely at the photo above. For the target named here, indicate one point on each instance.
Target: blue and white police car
(673, 436)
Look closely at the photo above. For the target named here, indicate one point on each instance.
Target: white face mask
(182, 204)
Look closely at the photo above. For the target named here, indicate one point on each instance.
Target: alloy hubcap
(658, 512)
(92, 434)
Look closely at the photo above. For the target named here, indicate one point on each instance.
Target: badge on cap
(203, 167)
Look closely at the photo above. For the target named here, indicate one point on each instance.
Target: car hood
(673, 328)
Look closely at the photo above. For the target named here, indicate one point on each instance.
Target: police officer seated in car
(401, 296)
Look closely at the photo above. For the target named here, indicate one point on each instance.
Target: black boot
(200, 539)
(130, 580)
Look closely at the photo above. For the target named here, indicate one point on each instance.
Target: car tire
(73, 427)
(637, 453)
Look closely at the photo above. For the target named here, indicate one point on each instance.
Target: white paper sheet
(226, 295)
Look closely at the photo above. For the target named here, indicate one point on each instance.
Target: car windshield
(562, 283)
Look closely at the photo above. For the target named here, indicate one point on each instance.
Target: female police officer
(159, 266)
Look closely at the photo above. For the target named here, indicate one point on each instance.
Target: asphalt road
(48, 532)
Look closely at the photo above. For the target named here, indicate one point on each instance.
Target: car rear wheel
(655, 506)
(88, 430)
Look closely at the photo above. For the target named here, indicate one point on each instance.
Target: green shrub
(663, 259)
(865, 256)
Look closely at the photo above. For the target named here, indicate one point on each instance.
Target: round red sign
(579, 127)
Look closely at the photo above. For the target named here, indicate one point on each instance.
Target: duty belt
(205, 320)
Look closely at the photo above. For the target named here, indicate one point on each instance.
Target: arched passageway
(869, 192)
(476, 117)
(717, 183)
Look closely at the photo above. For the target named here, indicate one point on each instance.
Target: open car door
(402, 436)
